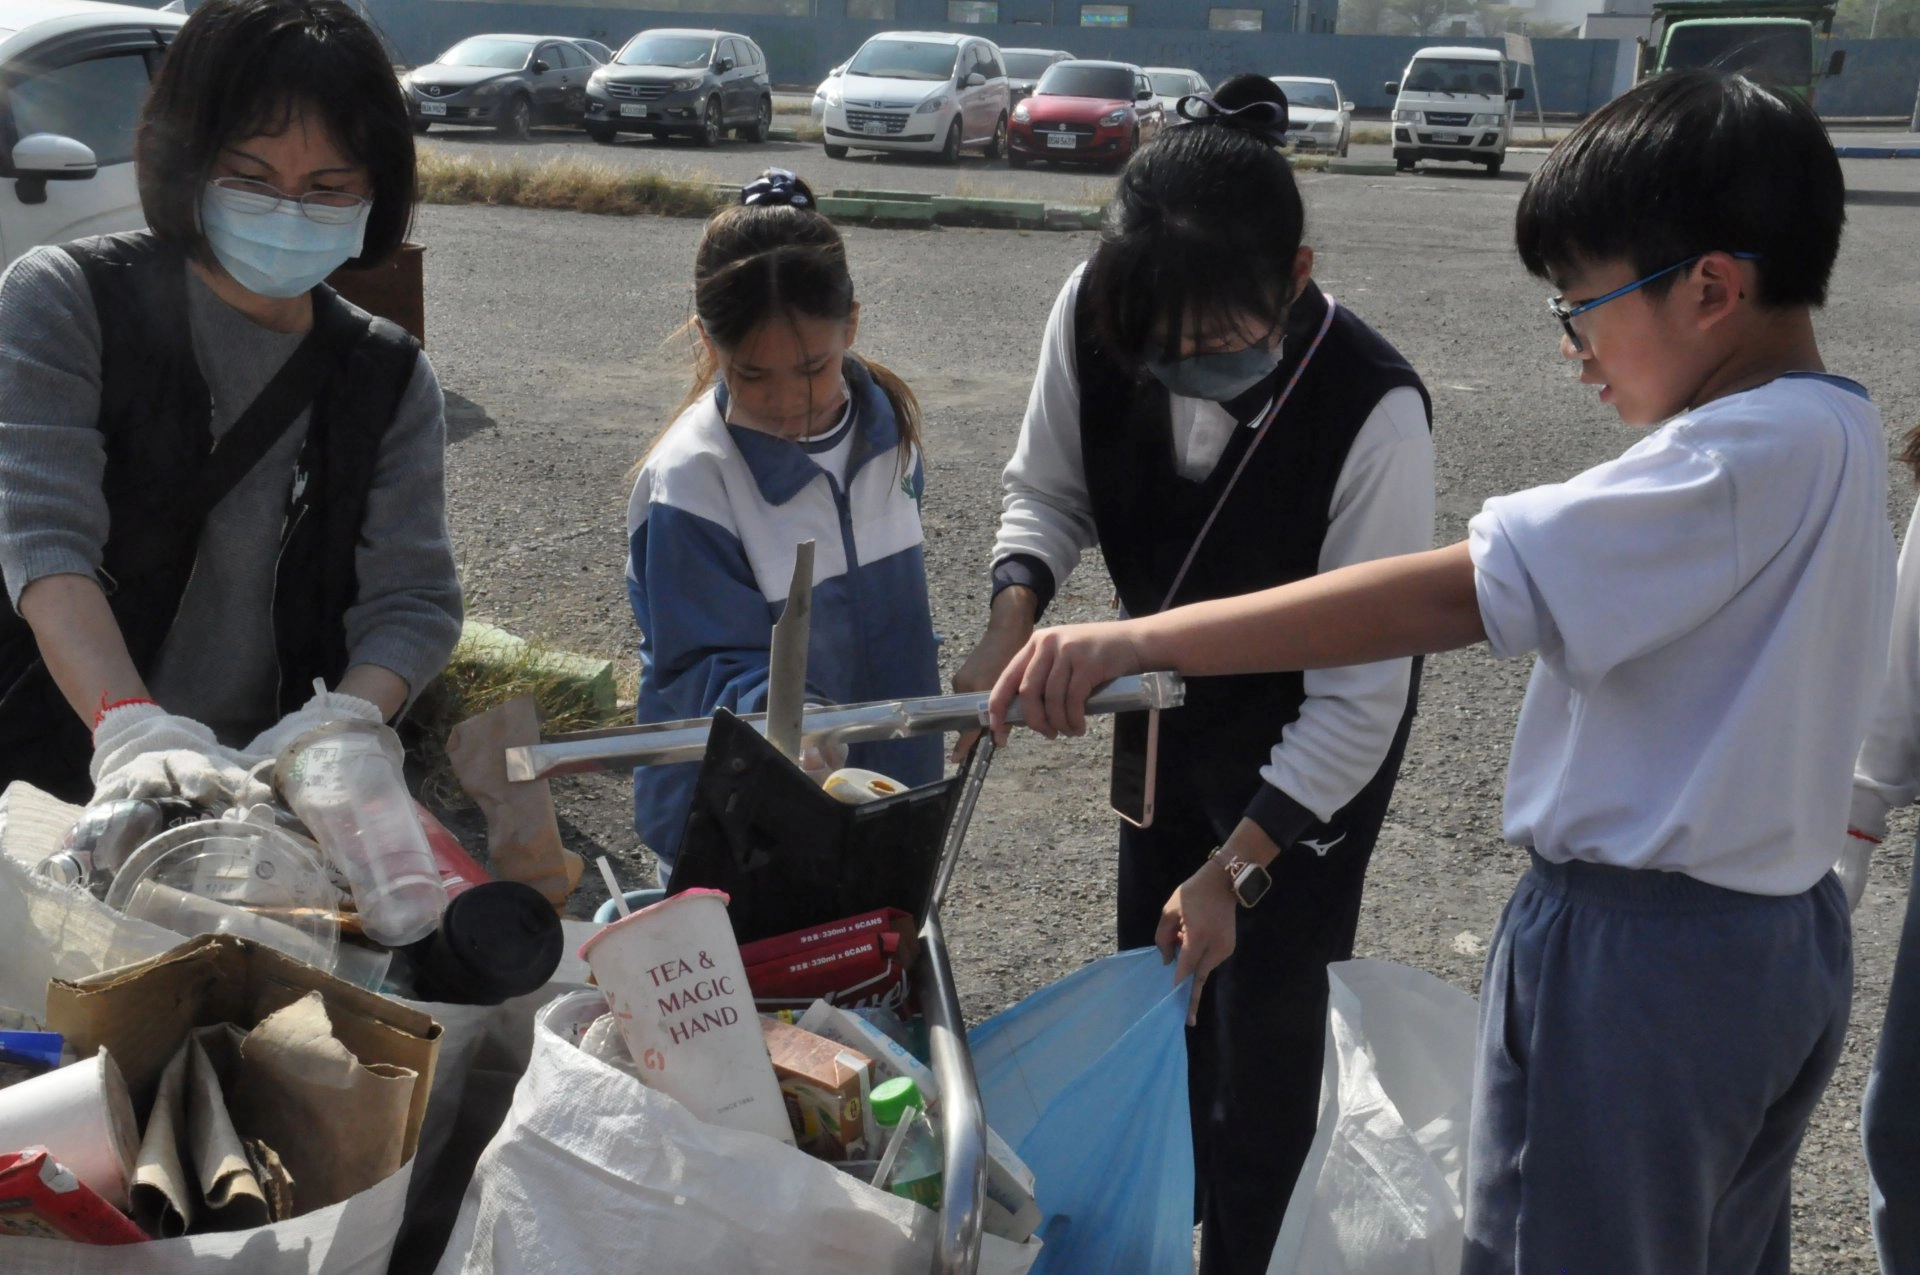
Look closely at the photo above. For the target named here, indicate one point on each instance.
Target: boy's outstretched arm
(1388, 609)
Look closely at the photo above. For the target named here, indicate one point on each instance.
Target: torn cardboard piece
(338, 1125)
(145, 1012)
(523, 832)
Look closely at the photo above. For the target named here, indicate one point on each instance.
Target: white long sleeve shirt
(1887, 775)
(1710, 612)
(1382, 506)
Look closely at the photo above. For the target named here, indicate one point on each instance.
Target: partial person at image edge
(1666, 994)
(181, 611)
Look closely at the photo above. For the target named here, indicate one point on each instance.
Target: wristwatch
(1250, 881)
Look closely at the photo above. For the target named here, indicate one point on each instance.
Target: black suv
(694, 83)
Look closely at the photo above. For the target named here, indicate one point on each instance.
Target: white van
(1453, 104)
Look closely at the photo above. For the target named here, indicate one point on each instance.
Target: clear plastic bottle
(912, 1162)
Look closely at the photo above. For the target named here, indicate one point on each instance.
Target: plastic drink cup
(673, 976)
(84, 1117)
(191, 914)
(345, 781)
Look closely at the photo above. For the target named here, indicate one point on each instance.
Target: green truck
(1779, 41)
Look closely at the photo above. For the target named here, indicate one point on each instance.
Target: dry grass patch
(567, 185)
(1370, 137)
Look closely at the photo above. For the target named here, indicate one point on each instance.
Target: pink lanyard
(1272, 413)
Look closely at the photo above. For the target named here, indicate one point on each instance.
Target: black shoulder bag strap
(336, 330)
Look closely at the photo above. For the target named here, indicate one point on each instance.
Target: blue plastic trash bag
(1087, 1081)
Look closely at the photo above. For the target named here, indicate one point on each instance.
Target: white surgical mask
(271, 247)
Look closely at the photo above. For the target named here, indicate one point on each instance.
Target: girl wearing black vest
(1215, 423)
(219, 482)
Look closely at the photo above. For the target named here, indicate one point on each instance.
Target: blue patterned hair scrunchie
(1267, 120)
(775, 188)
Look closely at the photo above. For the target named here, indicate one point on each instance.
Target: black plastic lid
(498, 940)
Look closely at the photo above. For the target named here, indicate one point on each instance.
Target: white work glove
(141, 750)
(324, 708)
(1851, 867)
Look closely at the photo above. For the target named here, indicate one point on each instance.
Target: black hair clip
(1266, 119)
(776, 188)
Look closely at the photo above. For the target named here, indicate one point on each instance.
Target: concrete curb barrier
(1362, 168)
(881, 212)
(591, 677)
(1877, 152)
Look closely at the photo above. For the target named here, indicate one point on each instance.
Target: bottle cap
(893, 1098)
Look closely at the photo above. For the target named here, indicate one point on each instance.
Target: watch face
(1251, 884)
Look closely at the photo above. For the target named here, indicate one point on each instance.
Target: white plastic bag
(56, 931)
(593, 1171)
(1380, 1191)
(353, 1237)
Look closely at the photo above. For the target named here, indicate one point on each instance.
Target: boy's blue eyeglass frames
(1566, 313)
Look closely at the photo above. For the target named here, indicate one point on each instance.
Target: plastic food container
(226, 876)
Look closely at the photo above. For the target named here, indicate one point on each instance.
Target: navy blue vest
(1269, 532)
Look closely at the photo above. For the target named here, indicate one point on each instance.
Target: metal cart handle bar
(663, 743)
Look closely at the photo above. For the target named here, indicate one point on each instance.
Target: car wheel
(602, 134)
(516, 124)
(1401, 164)
(1343, 148)
(834, 152)
(998, 146)
(659, 135)
(421, 126)
(762, 123)
(1493, 168)
(950, 153)
(710, 130)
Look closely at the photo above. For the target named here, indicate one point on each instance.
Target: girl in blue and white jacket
(786, 436)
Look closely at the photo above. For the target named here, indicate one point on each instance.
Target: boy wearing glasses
(1668, 988)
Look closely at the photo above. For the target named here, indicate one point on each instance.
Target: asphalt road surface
(553, 336)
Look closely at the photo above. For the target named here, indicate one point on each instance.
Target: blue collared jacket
(711, 529)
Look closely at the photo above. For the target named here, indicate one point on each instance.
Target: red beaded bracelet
(1855, 832)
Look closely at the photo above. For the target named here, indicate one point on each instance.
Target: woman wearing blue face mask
(219, 482)
(1215, 423)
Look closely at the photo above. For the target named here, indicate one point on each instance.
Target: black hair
(1692, 162)
(1205, 225)
(244, 68)
(775, 256)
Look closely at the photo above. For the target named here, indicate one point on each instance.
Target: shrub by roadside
(566, 185)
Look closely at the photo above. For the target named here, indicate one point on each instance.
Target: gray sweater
(218, 663)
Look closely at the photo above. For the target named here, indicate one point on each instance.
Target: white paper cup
(84, 1117)
(673, 975)
(858, 787)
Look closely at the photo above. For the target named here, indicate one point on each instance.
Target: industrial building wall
(1577, 75)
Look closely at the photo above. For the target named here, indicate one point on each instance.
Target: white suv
(930, 92)
(1453, 104)
(75, 76)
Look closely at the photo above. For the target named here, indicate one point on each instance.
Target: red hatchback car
(1085, 113)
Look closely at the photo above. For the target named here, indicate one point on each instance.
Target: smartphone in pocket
(1136, 758)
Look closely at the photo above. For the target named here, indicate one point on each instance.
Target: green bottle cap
(892, 1099)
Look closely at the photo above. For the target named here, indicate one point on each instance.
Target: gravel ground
(553, 332)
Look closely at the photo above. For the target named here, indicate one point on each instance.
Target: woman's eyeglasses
(328, 207)
(1568, 313)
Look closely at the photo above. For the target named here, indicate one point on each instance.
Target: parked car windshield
(501, 55)
(689, 53)
(1175, 85)
(1779, 53)
(1309, 93)
(903, 60)
(1028, 66)
(1454, 76)
(1068, 80)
